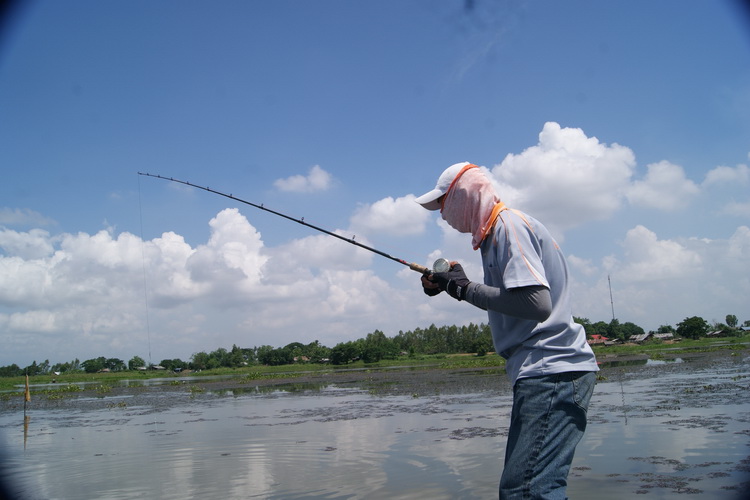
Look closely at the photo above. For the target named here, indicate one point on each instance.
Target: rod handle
(420, 269)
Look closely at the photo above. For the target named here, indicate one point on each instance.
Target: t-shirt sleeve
(524, 265)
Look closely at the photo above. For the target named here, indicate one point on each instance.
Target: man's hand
(430, 287)
(454, 281)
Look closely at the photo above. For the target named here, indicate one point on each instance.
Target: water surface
(663, 431)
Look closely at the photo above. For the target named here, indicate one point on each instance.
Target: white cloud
(320, 252)
(316, 180)
(662, 281)
(728, 175)
(33, 244)
(23, 217)
(87, 297)
(567, 179)
(651, 259)
(400, 216)
(736, 208)
(232, 260)
(729, 186)
(581, 266)
(665, 187)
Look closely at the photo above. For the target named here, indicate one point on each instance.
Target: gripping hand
(430, 288)
(454, 281)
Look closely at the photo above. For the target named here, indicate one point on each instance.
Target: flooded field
(657, 429)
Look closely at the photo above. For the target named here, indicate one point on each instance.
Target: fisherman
(527, 297)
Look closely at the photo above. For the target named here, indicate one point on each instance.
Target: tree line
(372, 348)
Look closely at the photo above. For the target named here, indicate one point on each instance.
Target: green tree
(218, 358)
(665, 329)
(377, 346)
(67, 367)
(692, 328)
(32, 369)
(11, 371)
(199, 361)
(114, 364)
(94, 365)
(136, 362)
(614, 330)
(600, 328)
(236, 357)
(173, 364)
(343, 353)
(482, 345)
(629, 329)
(731, 320)
(316, 352)
(263, 354)
(281, 356)
(37, 368)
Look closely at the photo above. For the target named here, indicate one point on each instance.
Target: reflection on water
(665, 433)
(643, 361)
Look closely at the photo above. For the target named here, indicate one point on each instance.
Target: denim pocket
(583, 388)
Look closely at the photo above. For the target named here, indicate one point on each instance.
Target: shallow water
(660, 432)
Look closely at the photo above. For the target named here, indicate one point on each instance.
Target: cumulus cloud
(567, 179)
(662, 281)
(84, 295)
(33, 244)
(728, 175)
(651, 259)
(400, 216)
(316, 180)
(232, 260)
(321, 252)
(665, 187)
(730, 186)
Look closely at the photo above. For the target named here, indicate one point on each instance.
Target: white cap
(429, 200)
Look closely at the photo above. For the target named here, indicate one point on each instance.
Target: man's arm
(527, 302)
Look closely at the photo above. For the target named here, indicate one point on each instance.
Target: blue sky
(621, 125)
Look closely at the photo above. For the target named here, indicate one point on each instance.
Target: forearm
(528, 302)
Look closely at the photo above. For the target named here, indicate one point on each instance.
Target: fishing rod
(441, 265)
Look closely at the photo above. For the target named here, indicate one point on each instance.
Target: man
(526, 296)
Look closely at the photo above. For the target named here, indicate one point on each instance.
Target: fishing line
(145, 286)
(622, 392)
(414, 267)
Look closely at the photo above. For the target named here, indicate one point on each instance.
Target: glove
(430, 288)
(454, 281)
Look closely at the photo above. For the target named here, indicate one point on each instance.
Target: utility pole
(611, 300)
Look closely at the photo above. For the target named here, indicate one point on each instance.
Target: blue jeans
(547, 422)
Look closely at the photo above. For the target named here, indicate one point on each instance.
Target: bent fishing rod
(441, 265)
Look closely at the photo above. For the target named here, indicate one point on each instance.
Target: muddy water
(657, 430)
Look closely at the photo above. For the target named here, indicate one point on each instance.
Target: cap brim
(430, 200)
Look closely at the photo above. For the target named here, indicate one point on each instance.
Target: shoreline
(412, 381)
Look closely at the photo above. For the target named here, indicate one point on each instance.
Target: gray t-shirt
(522, 253)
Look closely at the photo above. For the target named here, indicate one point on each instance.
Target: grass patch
(657, 349)
(102, 383)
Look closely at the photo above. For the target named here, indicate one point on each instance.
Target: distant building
(663, 336)
(640, 338)
(598, 339)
